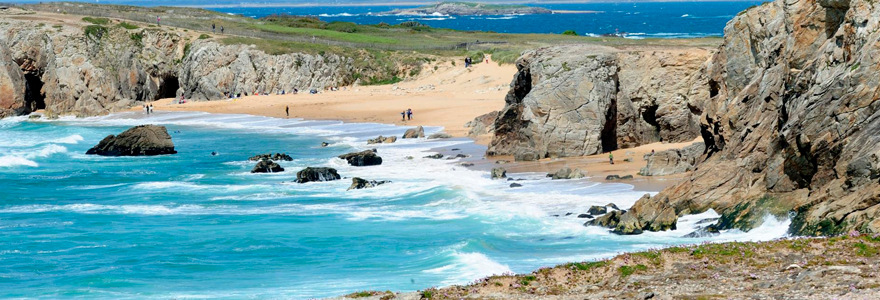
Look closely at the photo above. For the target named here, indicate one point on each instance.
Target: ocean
(193, 225)
(638, 20)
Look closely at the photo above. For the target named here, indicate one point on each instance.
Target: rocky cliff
(792, 125)
(84, 69)
(584, 100)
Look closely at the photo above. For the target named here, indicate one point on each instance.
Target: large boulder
(360, 183)
(269, 156)
(317, 175)
(567, 173)
(382, 140)
(414, 133)
(12, 85)
(267, 166)
(143, 140)
(499, 173)
(362, 159)
(673, 161)
(484, 124)
(439, 135)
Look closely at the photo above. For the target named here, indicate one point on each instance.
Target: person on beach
(403, 116)
(214, 28)
(145, 110)
(221, 29)
(467, 62)
(158, 20)
(611, 157)
(151, 108)
(287, 111)
(409, 113)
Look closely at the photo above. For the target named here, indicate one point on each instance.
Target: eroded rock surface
(143, 140)
(673, 161)
(311, 174)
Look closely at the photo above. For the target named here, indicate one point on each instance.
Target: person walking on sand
(158, 21)
(213, 28)
(409, 113)
(611, 157)
(403, 116)
(222, 29)
(287, 111)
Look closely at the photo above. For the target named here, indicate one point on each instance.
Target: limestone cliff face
(71, 69)
(211, 69)
(792, 125)
(584, 100)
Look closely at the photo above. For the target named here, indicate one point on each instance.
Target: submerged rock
(439, 135)
(382, 140)
(267, 166)
(708, 231)
(360, 183)
(499, 173)
(325, 144)
(362, 159)
(276, 157)
(515, 185)
(618, 177)
(317, 174)
(143, 140)
(414, 133)
(435, 156)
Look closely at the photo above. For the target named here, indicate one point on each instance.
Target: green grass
(527, 279)
(865, 250)
(204, 36)
(97, 21)
(625, 271)
(323, 33)
(569, 32)
(138, 38)
(128, 26)
(586, 266)
(96, 31)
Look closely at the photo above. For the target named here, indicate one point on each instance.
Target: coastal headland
(776, 121)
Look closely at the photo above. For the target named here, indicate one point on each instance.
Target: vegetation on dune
(97, 21)
(569, 32)
(128, 26)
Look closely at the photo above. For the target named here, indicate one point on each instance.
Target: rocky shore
(842, 267)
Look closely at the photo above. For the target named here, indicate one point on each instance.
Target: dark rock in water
(267, 166)
(439, 135)
(435, 156)
(626, 177)
(360, 183)
(597, 210)
(269, 156)
(501, 162)
(568, 214)
(515, 185)
(317, 174)
(143, 140)
(409, 157)
(34, 117)
(456, 149)
(414, 133)
(382, 140)
(707, 221)
(707, 231)
(612, 205)
(362, 159)
(462, 155)
(618, 177)
(499, 173)
(467, 165)
(325, 144)
(582, 216)
(609, 220)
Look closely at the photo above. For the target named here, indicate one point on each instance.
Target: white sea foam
(13, 161)
(27, 157)
(467, 266)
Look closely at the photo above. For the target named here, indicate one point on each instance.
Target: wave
(467, 266)
(14, 161)
(336, 15)
(26, 158)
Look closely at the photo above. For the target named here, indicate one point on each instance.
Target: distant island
(470, 9)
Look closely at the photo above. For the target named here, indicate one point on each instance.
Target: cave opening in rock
(168, 87)
(713, 88)
(609, 131)
(650, 117)
(34, 98)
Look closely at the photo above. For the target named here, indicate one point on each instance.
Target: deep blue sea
(639, 20)
(193, 225)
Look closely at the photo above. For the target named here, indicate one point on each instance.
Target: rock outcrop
(439, 135)
(673, 161)
(498, 173)
(414, 133)
(583, 100)
(267, 166)
(269, 156)
(567, 173)
(317, 175)
(790, 126)
(382, 140)
(143, 140)
(360, 183)
(362, 159)
(484, 124)
(12, 86)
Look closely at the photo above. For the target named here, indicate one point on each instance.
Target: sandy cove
(446, 95)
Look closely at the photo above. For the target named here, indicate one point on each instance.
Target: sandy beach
(447, 96)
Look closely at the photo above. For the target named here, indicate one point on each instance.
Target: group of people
(214, 28)
(406, 114)
(148, 108)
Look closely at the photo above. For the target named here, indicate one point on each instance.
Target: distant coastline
(413, 3)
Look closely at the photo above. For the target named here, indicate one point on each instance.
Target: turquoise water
(192, 225)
